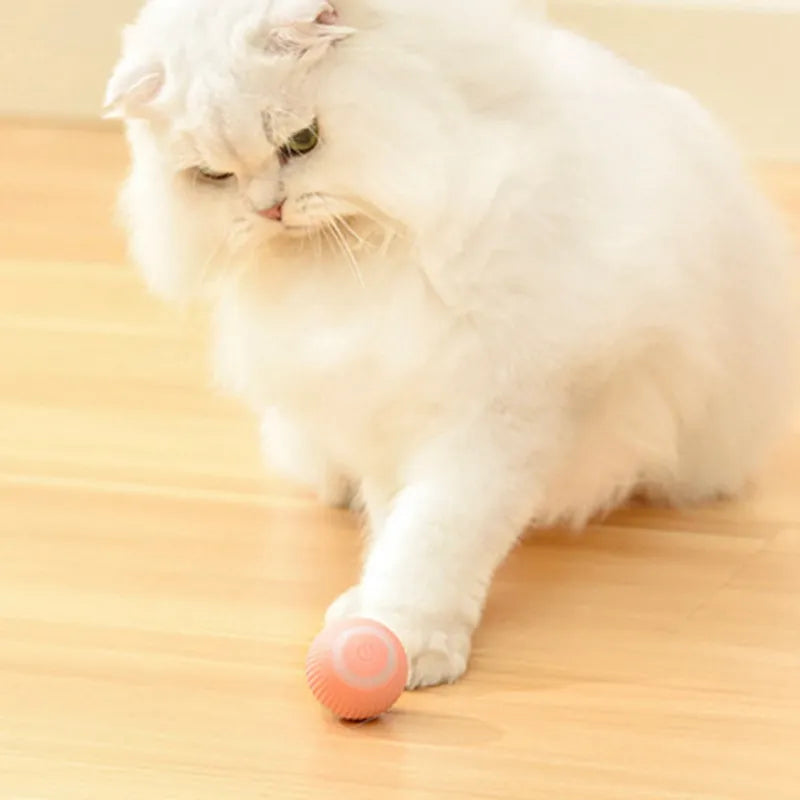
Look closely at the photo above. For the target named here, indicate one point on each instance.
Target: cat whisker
(360, 240)
(341, 238)
(390, 231)
(345, 249)
(238, 230)
(318, 240)
(207, 268)
(324, 230)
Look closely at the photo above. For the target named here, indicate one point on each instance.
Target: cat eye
(210, 175)
(300, 143)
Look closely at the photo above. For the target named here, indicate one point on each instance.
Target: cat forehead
(197, 29)
(248, 95)
(206, 18)
(178, 60)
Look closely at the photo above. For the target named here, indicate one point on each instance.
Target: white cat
(470, 263)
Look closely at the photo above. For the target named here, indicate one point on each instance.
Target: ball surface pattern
(357, 668)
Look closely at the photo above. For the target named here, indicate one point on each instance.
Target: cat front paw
(436, 654)
(437, 649)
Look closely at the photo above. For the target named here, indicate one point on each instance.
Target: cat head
(257, 125)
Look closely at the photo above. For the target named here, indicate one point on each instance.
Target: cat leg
(288, 450)
(430, 563)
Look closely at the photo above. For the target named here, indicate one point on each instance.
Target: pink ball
(357, 668)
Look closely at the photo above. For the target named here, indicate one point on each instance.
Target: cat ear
(131, 89)
(307, 38)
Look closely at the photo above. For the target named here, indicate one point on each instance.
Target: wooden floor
(158, 590)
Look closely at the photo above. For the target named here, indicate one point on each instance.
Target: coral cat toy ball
(357, 668)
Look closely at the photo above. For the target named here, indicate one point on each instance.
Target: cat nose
(273, 212)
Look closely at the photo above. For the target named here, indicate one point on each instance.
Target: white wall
(741, 57)
(55, 54)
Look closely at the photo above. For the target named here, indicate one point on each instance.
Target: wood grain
(158, 589)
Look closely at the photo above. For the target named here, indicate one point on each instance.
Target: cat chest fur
(353, 364)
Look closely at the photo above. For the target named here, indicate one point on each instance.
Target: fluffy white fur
(517, 280)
